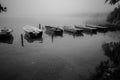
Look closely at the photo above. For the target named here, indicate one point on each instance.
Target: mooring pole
(22, 41)
(39, 26)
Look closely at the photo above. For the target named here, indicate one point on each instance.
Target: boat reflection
(6, 39)
(90, 33)
(74, 34)
(103, 31)
(31, 39)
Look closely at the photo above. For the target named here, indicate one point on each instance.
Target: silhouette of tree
(114, 16)
(112, 2)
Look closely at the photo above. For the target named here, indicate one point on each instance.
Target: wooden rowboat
(4, 31)
(32, 31)
(54, 30)
(99, 28)
(72, 29)
(88, 29)
(5, 35)
(96, 26)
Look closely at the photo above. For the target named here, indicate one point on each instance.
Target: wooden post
(22, 41)
(40, 26)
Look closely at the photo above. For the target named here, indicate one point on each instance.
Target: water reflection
(6, 39)
(74, 34)
(109, 69)
(90, 33)
(31, 40)
(112, 50)
(103, 31)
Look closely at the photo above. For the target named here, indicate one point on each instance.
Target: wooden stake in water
(40, 26)
(22, 41)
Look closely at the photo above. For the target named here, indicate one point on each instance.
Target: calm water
(66, 57)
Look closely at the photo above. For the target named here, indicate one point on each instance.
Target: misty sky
(54, 7)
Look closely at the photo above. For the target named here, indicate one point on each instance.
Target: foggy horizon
(41, 8)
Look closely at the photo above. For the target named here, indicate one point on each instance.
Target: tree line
(114, 16)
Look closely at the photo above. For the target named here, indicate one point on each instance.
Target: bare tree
(112, 2)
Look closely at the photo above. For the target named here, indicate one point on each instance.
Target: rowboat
(96, 26)
(54, 30)
(32, 31)
(4, 31)
(88, 29)
(5, 35)
(72, 29)
(99, 28)
(111, 27)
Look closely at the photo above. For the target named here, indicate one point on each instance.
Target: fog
(37, 8)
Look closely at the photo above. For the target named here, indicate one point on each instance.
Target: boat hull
(87, 29)
(6, 38)
(34, 35)
(99, 28)
(54, 30)
(72, 30)
(31, 38)
(32, 31)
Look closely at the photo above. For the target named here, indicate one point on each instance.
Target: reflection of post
(74, 35)
(22, 42)
(52, 37)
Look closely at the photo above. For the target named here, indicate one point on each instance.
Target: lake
(66, 57)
